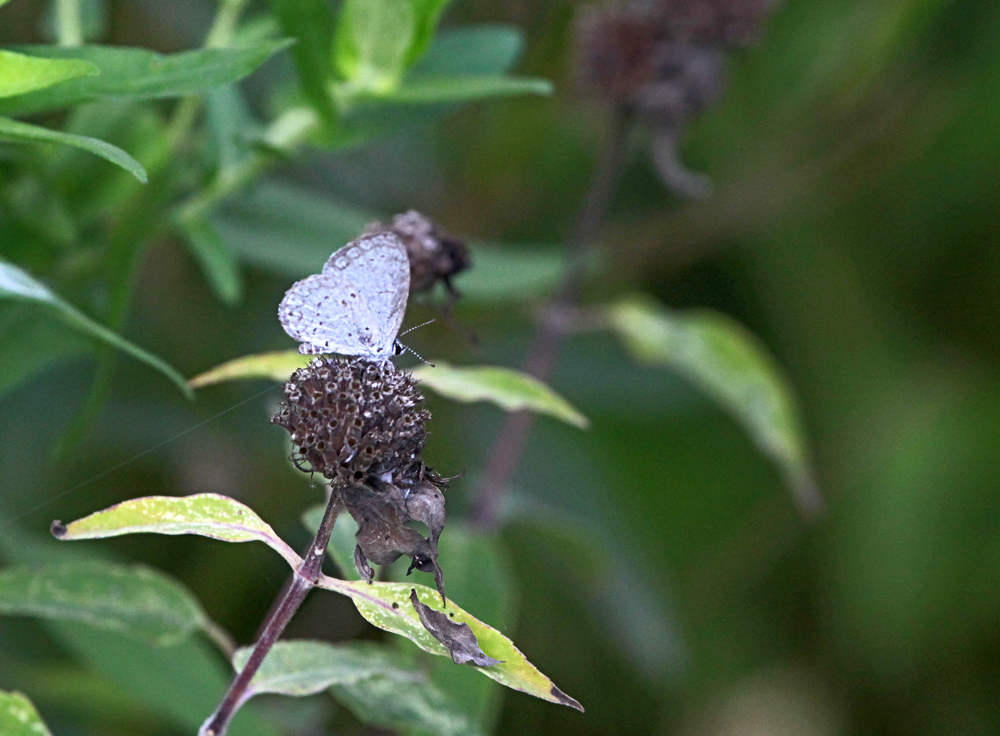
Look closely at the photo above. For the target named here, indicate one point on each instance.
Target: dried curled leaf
(383, 513)
(457, 638)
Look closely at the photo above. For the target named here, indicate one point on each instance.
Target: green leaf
(427, 14)
(430, 90)
(140, 74)
(181, 683)
(509, 389)
(30, 341)
(408, 706)
(277, 366)
(298, 668)
(342, 539)
(134, 600)
(382, 686)
(477, 50)
(288, 229)
(215, 259)
(387, 606)
(734, 368)
(17, 284)
(18, 716)
(505, 273)
(17, 132)
(20, 73)
(205, 514)
(310, 23)
(372, 43)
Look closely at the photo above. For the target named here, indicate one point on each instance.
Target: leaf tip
(58, 529)
(565, 699)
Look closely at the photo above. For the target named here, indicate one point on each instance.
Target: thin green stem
(69, 23)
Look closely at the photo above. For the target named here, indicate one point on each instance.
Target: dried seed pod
(434, 256)
(361, 425)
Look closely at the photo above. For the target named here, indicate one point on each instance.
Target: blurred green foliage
(660, 572)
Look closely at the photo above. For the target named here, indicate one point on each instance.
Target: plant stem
(303, 581)
(69, 26)
(509, 445)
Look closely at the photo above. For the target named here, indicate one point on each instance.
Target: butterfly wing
(356, 306)
(377, 267)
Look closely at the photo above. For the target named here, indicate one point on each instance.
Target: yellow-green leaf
(388, 606)
(277, 366)
(509, 389)
(205, 514)
(18, 716)
(20, 73)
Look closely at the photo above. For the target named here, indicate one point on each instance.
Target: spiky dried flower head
(434, 255)
(360, 424)
(354, 420)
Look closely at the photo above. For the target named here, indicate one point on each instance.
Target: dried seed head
(434, 256)
(360, 424)
(355, 420)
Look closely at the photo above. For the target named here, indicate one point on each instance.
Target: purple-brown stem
(303, 581)
(509, 445)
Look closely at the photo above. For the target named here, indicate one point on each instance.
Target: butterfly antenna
(416, 327)
(400, 348)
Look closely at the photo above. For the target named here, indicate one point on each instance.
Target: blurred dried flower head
(662, 60)
(434, 255)
(360, 424)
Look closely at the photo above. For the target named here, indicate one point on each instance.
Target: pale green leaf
(14, 131)
(140, 73)
(388, 606)
(372, 42)
(431, 90)
(733, 367)
(20, 73)
(277, 366)
(18, 716)
(216, 260)
(507, 388)
(299, 668)
(17, 284)
(204, 514)
(406, 706)
(133, 600)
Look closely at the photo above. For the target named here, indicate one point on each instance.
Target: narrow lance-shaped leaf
(20, 73)
(735, 369)
(388, 606)
(139, 73)
(133, 600)
(434, 90)
(18, 716)
(15, 283)
(512, 390)
(14, 131)
(205, 514)
(277, 366)
(216, 261)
